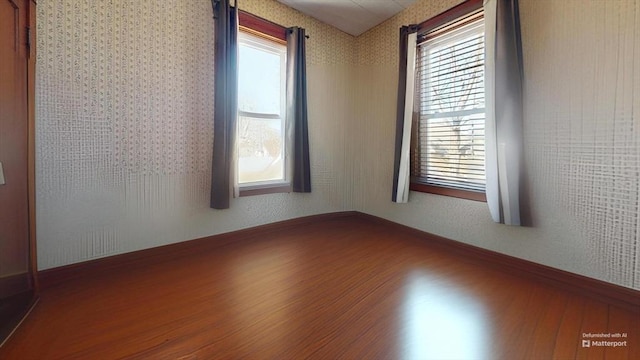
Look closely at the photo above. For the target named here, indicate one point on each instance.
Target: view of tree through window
(449, 148)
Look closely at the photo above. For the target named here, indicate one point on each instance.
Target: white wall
(582, 82)
(124, 109)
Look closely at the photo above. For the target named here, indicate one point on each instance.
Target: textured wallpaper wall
(582, 84)
(124, 109)
(583, 125)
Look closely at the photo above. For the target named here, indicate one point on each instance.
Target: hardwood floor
(344, 288)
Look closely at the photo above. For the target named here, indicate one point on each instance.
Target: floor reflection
(442, 321)
(262, 288)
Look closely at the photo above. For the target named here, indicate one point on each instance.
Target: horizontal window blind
(448, 143)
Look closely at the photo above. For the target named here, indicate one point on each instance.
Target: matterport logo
(604, 340)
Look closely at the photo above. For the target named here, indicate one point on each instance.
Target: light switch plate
(1, 175)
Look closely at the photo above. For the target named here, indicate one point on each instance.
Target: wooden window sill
(265, 189)
(462, 194)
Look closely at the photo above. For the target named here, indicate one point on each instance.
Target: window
(262, 154)
(448, 140)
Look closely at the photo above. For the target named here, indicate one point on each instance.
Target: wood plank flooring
(344, 288)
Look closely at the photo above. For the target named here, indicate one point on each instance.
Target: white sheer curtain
(405, 114)
(503, 127)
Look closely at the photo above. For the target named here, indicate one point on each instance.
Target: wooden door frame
(31, 141)
(18, 306)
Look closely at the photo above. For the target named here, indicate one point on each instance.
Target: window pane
(449, 148)
(261, 102)
(260, 150)
(452, 71)
(259, 79)
(453, 149)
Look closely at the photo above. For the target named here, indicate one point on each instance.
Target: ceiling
(351, 16)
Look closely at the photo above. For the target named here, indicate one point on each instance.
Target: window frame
(267, 30)
(441, 20)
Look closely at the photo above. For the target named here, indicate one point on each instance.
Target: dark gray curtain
(297, 109)
(226, 102)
